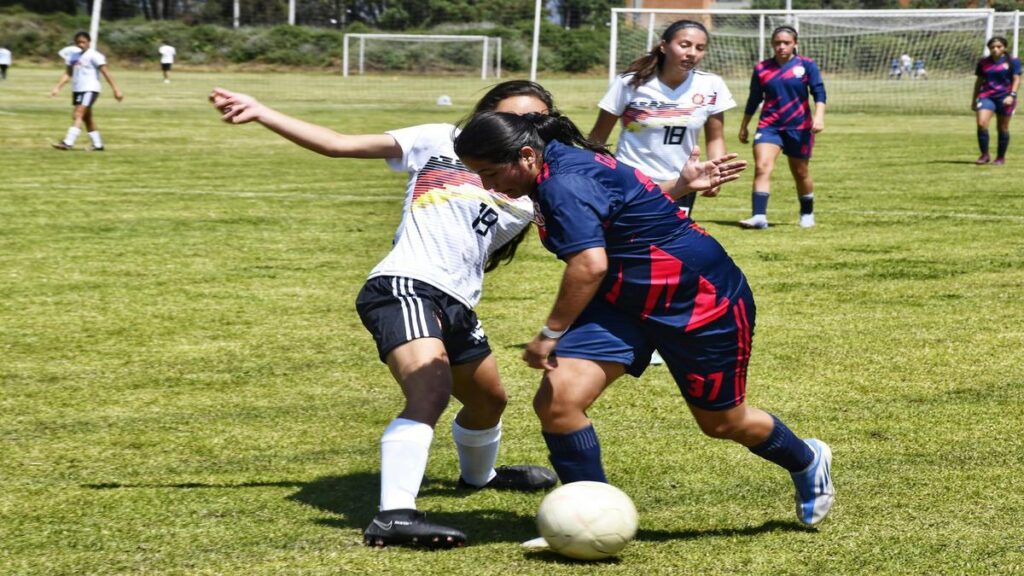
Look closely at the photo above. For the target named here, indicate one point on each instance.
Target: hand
(744, 135)
(118, 95)
(1008, 101)
(236, 108)
(700, 176)
(818, 126)
(538, 353)
(54, 92)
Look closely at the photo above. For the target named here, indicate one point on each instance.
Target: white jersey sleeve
(616, 98)
(661, 125)
(450, 225)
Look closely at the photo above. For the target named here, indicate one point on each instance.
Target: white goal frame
(485, 42)
(792, 16)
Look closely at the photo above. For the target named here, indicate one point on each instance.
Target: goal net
(911, 61)
(422, 54)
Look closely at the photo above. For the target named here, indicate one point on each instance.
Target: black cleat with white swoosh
(408, 527)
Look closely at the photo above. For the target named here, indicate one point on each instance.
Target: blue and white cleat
(814, 490)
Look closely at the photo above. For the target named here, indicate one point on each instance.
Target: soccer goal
(918, 61)
(423, 54)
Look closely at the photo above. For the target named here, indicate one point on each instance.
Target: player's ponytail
(650, 64)
(498, 137)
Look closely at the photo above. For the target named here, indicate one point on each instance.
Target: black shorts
(397, 310)
(86, 99)
(165, 66)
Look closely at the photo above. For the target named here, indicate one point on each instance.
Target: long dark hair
(498, 137)
(507, 251)
(649, 64)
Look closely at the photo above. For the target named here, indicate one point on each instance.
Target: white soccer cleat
(807, 220)
(814, 490)
(538, 543)
(759, 222)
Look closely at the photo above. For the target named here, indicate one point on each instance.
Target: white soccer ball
(587, 520)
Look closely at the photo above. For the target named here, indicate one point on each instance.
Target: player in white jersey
(418, 303)
(167, 54)
(84, 69)
(663, 102)
(5, 61)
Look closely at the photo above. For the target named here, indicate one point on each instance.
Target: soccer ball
(587, 520)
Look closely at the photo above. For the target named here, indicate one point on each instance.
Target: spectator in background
(167, 53)
(919, 72)
(5, 61)
(905, 64)
(894, 69)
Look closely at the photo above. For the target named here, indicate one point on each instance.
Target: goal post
(429, 53)
(855, 50)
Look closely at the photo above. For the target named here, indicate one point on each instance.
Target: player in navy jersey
(418, 304)
(995, 92)
(784, 83)
(640, 275)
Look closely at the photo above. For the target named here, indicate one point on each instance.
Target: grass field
(186, 388)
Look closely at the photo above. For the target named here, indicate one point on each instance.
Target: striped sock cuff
(582, 439)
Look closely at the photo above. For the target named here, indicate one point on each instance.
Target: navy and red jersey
(784, 89)
(662, 267)
(997, 76)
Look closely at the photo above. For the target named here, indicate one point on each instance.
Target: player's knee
(552, 406)
(724, 429)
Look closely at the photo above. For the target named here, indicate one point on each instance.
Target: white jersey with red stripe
(450, 224)
(660, 125)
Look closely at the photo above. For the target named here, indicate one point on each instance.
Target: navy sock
(1004, 143)
(807, 203)
(785, 449)
(983, 140)
(576, 456)
(759, 200)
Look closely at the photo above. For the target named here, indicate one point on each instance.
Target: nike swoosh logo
(383, 525)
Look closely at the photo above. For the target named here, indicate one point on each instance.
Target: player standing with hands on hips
(995, 92)
(664, 101)
(84, 69)
(418, 304)
(639, 275)
(784, 83)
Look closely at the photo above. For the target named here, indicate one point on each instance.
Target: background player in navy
(640, 275)
(995, 92)
(784, 83)
(418, 304)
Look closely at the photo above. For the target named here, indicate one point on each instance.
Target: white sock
(478, 451)
(403, 459)
(97, 142)
(72, 135)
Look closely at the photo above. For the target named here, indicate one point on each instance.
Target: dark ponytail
(498, 137)
(646, 66)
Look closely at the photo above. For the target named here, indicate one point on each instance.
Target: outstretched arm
(697, 176)
(240, 108)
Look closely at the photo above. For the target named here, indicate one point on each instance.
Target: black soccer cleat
(97, 149)
(521, 478)
(408, 527)
(60, 145)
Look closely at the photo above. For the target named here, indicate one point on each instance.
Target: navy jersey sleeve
(978, 71)
(1014, 67)
(817, 85)
(574, 209)
(756, 94)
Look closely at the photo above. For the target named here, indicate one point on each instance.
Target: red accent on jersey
(637, 114)
(695, 226)
(434, 178)
(665, 272)
(607, 160)
(644, 179)
(706, 308)
(545, 173)
(613, 294)
(739, 384)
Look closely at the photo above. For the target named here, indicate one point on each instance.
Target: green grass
(186, 388)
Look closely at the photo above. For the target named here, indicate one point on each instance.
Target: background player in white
(664, 102)
(167, 53)
(5, 62)
(84, 69)
(418, 303)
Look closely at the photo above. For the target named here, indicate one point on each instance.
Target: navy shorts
(996, 105)
(86, 99)
(397, 310)
(797, 143)
(708, 364)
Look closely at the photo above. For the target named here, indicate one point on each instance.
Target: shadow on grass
(353, 498)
